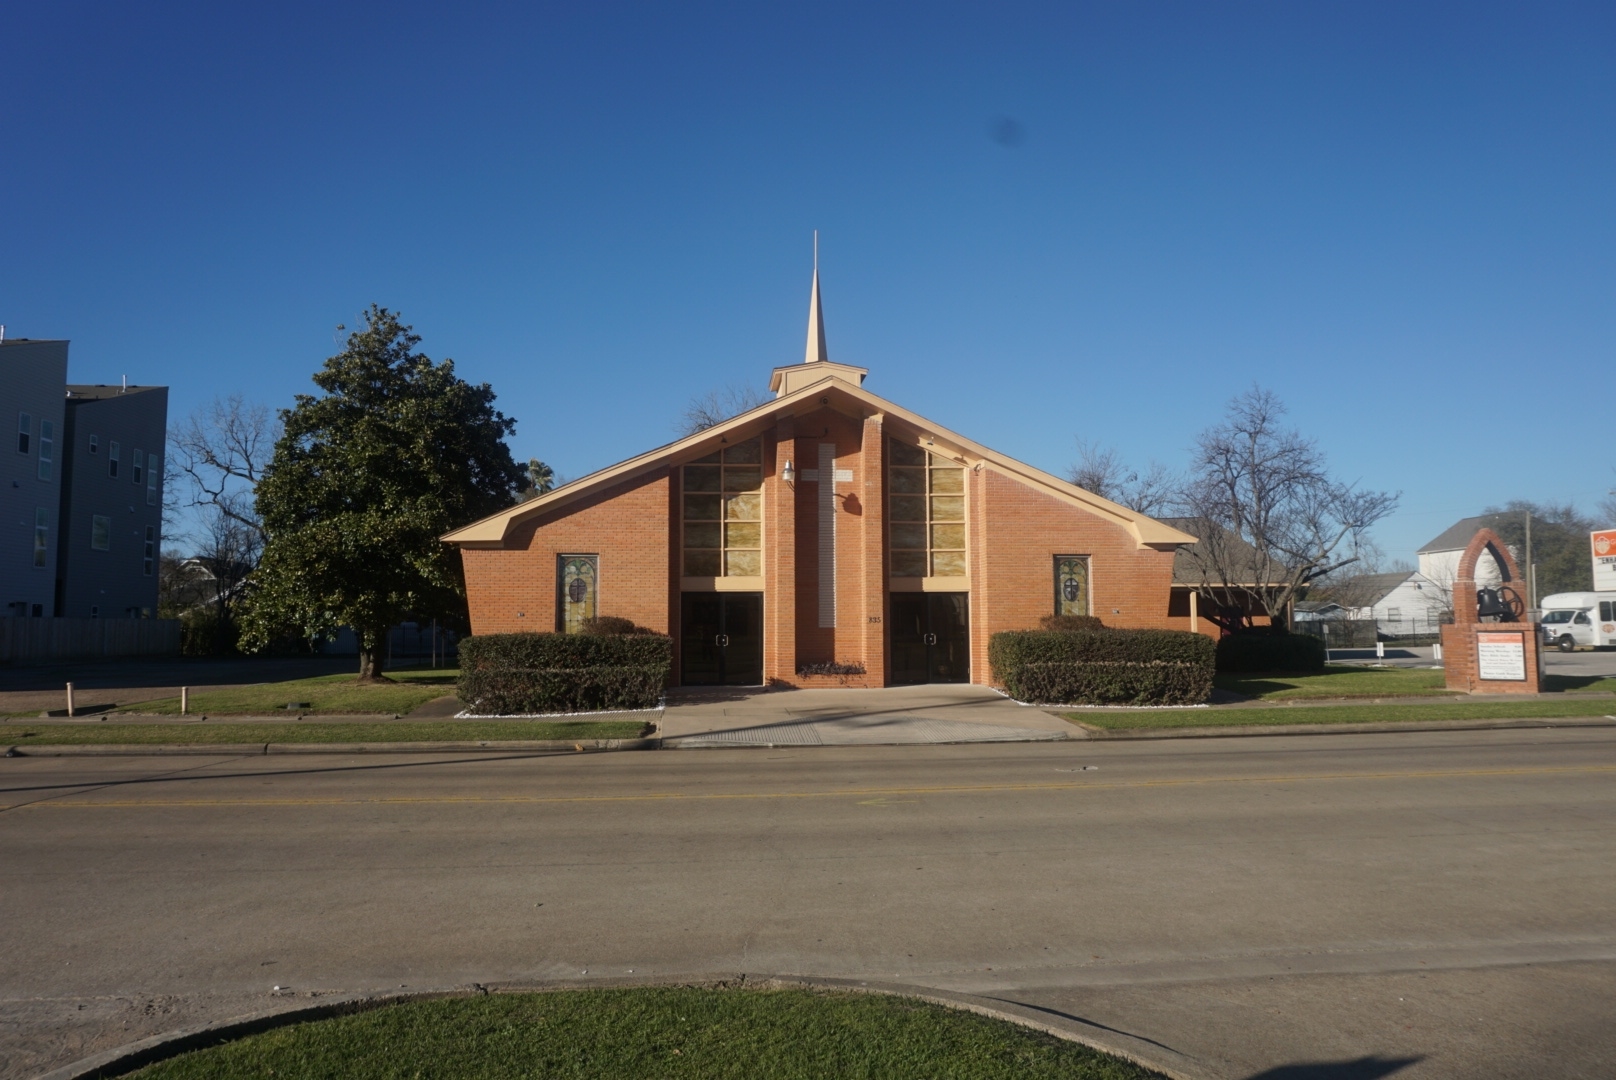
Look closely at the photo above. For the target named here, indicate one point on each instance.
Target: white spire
(816, 317)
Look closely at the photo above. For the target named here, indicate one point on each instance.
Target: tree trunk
(372, 651)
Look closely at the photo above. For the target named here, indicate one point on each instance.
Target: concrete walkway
(952, 713)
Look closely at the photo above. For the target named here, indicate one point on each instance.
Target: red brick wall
(628, 527)
(1018, 531)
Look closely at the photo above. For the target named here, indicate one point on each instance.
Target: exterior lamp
(789, 473)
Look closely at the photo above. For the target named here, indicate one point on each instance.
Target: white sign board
(1501, 657)
(1604, 544)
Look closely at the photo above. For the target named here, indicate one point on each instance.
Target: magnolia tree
(364, 478)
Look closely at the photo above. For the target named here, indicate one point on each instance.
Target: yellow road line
(673, 796)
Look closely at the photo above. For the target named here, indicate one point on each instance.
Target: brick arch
(1465, 579)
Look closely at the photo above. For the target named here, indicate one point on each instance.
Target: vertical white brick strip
(827, 534)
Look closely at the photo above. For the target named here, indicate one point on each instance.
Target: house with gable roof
(828, 529)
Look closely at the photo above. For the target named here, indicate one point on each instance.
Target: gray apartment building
(95, 504)
(33, 375)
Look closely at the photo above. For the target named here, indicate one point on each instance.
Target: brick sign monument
(1491, 647)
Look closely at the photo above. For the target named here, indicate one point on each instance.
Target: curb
(125, 1059)
(260, 749)
(1247, 731)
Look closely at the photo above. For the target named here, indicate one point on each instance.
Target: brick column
(872, 618)
(780, 559)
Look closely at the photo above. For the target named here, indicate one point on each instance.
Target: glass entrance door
(931, 637)
(721, 639)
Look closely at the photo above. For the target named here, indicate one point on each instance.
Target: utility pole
(1531, 571)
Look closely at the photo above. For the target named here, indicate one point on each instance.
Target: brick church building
(826, 527)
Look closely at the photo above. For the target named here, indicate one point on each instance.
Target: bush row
(509, 674)
(1270, 652)
(1103, 667)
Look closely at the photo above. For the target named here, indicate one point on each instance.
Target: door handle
(931, 639)
(722, 641)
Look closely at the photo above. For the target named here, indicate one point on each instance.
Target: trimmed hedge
(513, 674)
(1104, 667)
(1293, 654)
(1071, 622)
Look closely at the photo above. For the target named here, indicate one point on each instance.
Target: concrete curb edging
(259, 749)
(1099, 734)
(125, 1059)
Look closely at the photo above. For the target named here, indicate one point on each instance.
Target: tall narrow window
(152, 470)
(149, 556)
(1071, 585)
(137, 464)
(95, 444)
(47, 448)
(100, 532)
(723, 513)
(41, 535)
(578, 582)
(112, 460)
(926, 504)
(25, 431)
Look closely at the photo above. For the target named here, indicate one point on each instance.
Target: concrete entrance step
(861, 731)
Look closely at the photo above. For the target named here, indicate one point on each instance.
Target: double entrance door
(721, 639)
(931, 637)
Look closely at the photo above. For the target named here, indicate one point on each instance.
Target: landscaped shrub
(512, 674)
(613, 624)
(1071, 622)
(1270, 652)
(834, 667)
(1103, 667)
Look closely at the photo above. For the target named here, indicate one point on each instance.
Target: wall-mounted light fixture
(789, 473)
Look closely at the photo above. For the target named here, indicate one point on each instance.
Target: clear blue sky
(1397, 216)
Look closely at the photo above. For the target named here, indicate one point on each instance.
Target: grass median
(21, 733)
(666, 1032)
(339, 694)
(1343, 681)
(1396, 713)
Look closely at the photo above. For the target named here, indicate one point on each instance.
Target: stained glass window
(1071, 585)
(926, 512)
(723, 513)
(579, 580)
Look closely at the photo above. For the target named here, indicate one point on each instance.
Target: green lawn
(674, 1032)
(1234, 716)
(22, 733)
(323, 694)
(1342, 681)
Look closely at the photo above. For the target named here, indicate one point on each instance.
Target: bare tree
(1102, 471)
(222, 449)
(1272, 518)
(716, 406)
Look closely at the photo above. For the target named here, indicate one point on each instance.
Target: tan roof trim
(1146, 531)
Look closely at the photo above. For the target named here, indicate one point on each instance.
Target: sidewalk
(939, 713)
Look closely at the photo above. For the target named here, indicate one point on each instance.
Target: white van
(1571, 619)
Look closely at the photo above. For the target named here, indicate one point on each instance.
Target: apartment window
(112, 460)
(47, 448)
(149, 558)
(723, 513)
(95, 611)
(41, 535)
(101, 532)
(1071, 585)
(25, 430)
(95, 444)
(926, 504)
(578, 583)
(138, 465)
(1394, 614)
(152, 470)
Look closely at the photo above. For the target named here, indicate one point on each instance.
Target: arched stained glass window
(1071, 585)
(579, 580)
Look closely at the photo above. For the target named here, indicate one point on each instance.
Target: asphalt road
(1411, 905)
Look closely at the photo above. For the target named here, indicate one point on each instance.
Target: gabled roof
(1458, 535)
(833, 389)
(1367, 590)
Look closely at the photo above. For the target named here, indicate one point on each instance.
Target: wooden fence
(26, 640)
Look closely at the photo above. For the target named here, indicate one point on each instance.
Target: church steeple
(816, 317)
